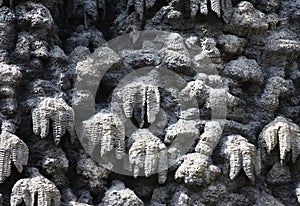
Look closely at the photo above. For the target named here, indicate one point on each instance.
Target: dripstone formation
(149, 102)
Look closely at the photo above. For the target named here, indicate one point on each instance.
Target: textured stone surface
(232, 44)
(239, 62)
(119, 195)
(246, 20)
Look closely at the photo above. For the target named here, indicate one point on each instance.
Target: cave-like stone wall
(240, 61)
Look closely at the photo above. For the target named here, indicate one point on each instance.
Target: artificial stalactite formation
(241, 154)
(283, 133)
(108, 130)
(57, 111)
(137, 97)
(12, 149)
(35, 190)
(266, 81)
(201, 5)
(148, 154)
(218, 6)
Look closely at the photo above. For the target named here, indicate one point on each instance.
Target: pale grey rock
(141, 98)
(13, 150)
(197, 169)
(283, 132)
(183, 128)
(56, 111)
(80, 53)
(89, 72)
(212, 92)
(42, 52)
(209, 138)
(180, 198)
(203, 8)
(105, 129)
(148, 155)
(189, 114)
(174, 54)
(10, 74)
(209, 56)
(73, 203)
(180, 136)
(232, 44)
(24, 189)
(82, 103)
(119, 195)
(241, 154)
(220, 8)
(244, 70)
(246, 20)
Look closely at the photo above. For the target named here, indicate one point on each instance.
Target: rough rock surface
(119, 195)
(246, 20)
(233, 62)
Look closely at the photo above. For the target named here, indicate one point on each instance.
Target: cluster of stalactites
(106, 130)
(57, 111)
(25, 190)
(283, 133)
(241, 154)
